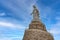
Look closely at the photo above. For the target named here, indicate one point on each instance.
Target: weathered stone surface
(36, 34)
(37, 25)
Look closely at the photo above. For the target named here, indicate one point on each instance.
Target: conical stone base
(36, 34)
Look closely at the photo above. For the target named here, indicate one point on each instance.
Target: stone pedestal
(37, 31)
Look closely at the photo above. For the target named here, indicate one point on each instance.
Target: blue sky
(15, 17)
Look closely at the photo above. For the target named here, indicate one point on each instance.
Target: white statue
(35, 13)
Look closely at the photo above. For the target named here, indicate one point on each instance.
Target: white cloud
(11, 25)
(2, 14)
(57, 18)
(17, 5)
(55, 28)
(5, 39)
(10, 38)
(19, 8)
(46, 12)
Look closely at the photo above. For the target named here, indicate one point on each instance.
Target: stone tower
(37, 30)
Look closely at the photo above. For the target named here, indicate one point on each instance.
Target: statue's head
(34, 6)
